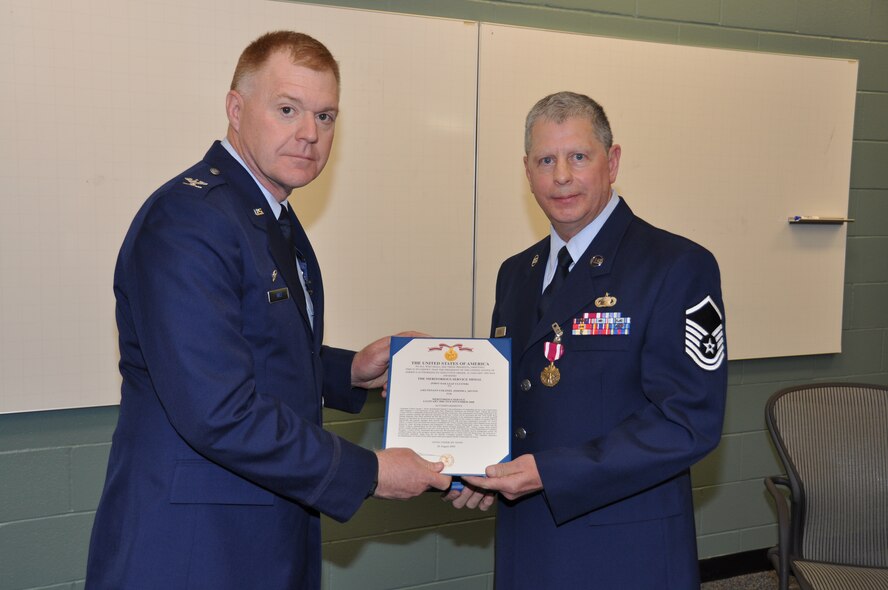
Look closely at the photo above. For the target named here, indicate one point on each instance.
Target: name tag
(278, 295)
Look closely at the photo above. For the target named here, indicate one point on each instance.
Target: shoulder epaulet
(200, 177)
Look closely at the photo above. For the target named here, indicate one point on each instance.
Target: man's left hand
(470, 497)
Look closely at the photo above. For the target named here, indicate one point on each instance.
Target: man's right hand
(403, 474)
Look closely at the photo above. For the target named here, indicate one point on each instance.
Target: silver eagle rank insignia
(194, 182)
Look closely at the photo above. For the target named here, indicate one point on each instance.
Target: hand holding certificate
(448, 400)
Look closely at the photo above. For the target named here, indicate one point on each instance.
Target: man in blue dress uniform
(619, 377)
(220, 466)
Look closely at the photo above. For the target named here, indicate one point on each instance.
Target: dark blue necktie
(561, 271)
(287, 229)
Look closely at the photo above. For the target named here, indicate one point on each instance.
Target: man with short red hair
(220, 465)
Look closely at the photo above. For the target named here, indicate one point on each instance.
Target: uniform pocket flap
(205, 483)
(597, 342)
(661, 502)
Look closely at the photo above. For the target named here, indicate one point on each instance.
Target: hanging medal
(553, 351)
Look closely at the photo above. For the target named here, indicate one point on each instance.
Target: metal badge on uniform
(278, 295)
(536, 259)
(215, 171)
(596, 260)
(193, 182)
(258, 212)
(553, 351)
(274, 275)
(607, 301)
(500, 332)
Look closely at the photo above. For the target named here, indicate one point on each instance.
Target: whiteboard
(105, 100)
(719, 146)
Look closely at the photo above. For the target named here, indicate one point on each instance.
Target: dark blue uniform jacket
(219, 465)
(614, 439)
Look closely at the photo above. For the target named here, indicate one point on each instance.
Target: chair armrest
(783, 532)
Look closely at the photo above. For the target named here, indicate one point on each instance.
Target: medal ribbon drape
(553, 351)
(561, 272)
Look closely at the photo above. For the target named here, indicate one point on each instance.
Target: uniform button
(215, 171)
(525, 385)
(520, 433)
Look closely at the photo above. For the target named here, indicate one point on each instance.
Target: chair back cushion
(835, 444)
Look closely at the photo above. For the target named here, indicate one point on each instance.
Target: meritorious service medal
(553, 350)
(550, 375)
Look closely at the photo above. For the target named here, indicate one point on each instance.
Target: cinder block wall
(52, 463)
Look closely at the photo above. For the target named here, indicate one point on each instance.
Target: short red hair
(304, 51)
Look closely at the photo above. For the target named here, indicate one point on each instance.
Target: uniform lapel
(529, 287)
(303, 244)
(578, 289)
(283, 257)
(255, 207)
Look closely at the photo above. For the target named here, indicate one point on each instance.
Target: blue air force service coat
(640, 398)
(219, 466)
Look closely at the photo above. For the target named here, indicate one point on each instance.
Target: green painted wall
(52, 463)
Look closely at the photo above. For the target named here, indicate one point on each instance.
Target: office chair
(833, 441)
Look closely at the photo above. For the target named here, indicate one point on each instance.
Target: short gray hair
(563, 105)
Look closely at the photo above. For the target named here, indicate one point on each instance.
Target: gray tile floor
(759, 581)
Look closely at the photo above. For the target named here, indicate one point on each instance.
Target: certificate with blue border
(449, 400)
